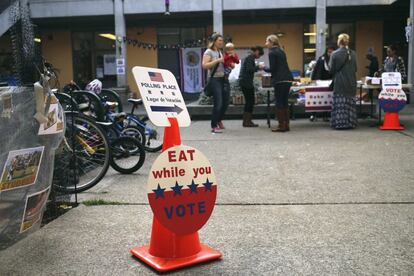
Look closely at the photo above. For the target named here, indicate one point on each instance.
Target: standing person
(322, 70)
(343, 68)
(213, 61)
(373, 66)
(393, 63)
(282, 81)
(247, 70)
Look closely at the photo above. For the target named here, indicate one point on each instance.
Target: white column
(320, 27)
(217, 16)
(120, 33)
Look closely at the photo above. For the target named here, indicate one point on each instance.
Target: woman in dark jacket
(282, 81)
(321, 70)
(343, 68)
(247, 70)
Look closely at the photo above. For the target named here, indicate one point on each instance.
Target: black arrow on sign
(175, 108)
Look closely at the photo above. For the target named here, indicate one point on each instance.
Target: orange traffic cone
(391, 122)
(167, 250)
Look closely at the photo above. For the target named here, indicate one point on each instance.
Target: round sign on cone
(182, 189)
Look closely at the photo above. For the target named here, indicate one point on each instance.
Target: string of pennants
(154, 46)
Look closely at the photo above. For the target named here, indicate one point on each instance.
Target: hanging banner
(191, 70)
(109, 65)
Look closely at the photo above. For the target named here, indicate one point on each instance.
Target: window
(94, 58)
(333, 30)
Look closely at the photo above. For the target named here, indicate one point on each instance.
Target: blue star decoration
(193, 187)
(177, 189)
(159, 192)
(207, 185)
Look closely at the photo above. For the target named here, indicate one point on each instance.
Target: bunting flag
(154, 46)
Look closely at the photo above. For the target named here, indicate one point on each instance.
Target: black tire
(91, 155)
(67, 103)
(154, 141)
(127, 147)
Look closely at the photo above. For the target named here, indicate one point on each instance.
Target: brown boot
(244, 119)
(280, 113)
(287, 119)
(247, 120)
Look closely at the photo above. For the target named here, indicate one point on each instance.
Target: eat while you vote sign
(182, 189)
(161, 96)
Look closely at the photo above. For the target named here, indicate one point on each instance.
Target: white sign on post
(391, 79)
(161, 96)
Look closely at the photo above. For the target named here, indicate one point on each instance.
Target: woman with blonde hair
(343, 67)
(213, 62)
(281, 80)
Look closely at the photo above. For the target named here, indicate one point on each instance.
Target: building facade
(83, 38)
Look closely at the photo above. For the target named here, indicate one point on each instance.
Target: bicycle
(103, 106)
(83, 157)
(153, 134)
(88, 103)
(141, 128)
(124, 147)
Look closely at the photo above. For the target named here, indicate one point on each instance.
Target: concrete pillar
(411, 50)
(217, 16)
(320, 27)
(120, 33)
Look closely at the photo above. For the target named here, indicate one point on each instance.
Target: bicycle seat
(83, 106)
(112, 104)
(135, 101)
(119, 115)
(104, 123)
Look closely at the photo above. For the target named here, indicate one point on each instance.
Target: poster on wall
(33, 209)
(191, 70)
(120, 70)
(109, 65)
(54, 117)
(21, 168)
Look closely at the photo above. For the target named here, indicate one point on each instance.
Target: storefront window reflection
(333, 30)
(94, 58)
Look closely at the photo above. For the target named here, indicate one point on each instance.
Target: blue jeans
(221, 97)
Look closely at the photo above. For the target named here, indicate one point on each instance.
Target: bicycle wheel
(136, 132)
(154, 136)
(67, 103)
(83, 157)
(127, 155)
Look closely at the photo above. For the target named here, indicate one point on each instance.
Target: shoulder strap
(215, 67)
(346, 61)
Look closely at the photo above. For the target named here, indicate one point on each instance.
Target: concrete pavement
(309, 202)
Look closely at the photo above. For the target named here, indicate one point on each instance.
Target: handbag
(208, 90)
(332, 86)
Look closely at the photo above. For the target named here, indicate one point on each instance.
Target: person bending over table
(247, 70)
(281, 80)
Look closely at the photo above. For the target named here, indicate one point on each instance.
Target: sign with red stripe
(182, 189)
(318, 99)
